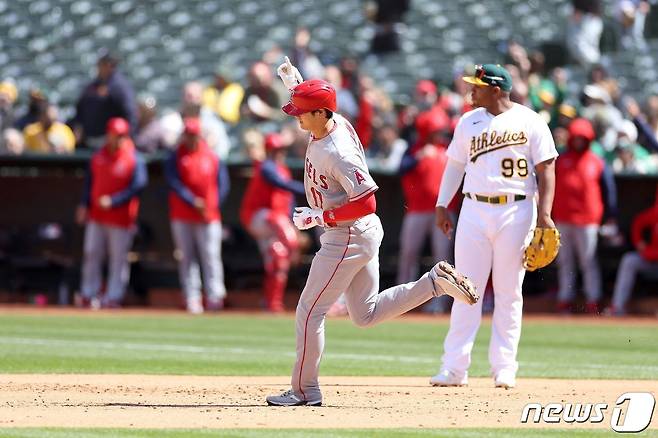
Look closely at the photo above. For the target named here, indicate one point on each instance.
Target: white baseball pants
(490, 239)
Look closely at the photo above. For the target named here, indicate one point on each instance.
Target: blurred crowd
(236, 114)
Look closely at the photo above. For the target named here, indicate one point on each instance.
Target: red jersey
(261, 194)
(198, 172)
(648, 219)
(111, 173)
(578, 194)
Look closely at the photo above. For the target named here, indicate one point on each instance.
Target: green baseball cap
(491, 75)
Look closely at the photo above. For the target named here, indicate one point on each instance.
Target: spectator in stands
(198, 184)
(266, 214)
(584, 30)
(388, 18)
(149, 135)
(631, 16)
(630, 157)
(375, 110)
(110, 204)
(8, 95)
(345, 99)
(421, 170)
(387, 149)
(648, 129)
(33, 109)
(48, 135)
(599, 109)
(108, 96)
(224, 95)
(11, 142)
(585, 193)
(303, 57)
(213, 130)
(261, 102)
(643, 259)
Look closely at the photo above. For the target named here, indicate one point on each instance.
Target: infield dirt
(238, 402)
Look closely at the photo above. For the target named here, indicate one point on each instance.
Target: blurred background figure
(48, 135)
(642, 260)
(584, 30)
(631, 16)
(266, 213)
(387, 150)
(303, 57)
(8, 95)
(109, 95)
(585, 194)
(198, 184)
(109, 209)
(224, 95)
(31, 114)
(261, 102)
(421, 170)
(344, 97)
(213, 130)
(388, 16)
(149, 136)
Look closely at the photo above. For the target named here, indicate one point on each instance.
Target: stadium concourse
(68, 67)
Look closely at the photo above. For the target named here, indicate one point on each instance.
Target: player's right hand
(443, 220)
(289, 74)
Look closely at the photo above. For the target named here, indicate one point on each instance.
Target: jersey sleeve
(352, 174)
(458, 149)
(542, 146)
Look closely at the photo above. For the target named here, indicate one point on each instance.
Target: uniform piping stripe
(362, 195)
(301, 366)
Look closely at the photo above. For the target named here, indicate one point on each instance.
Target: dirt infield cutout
(238, 402)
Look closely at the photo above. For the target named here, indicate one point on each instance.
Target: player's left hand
(545, 222)
(305, 217)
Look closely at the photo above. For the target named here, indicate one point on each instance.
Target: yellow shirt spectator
(225, 102)
(58, 138)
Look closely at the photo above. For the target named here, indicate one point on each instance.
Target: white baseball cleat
(505, 379)
(289, 398)
(194, 306)
(448, 378)
(448, 281)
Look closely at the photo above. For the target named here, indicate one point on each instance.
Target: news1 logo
(636, 416)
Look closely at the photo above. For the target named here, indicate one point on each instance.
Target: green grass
(243, 345)
(287, 433)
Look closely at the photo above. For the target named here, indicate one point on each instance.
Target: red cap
(273, 141)
(309, 96)
(117, 126)
(425, 86)
(192, 126)
(430, 122)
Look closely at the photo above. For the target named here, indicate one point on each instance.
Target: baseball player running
(265, 214)
(507, 153)
(340, 192)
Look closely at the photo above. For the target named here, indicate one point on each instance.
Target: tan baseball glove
(542, 249)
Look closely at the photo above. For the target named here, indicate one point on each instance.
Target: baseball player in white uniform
(340, 192)
(507, 154)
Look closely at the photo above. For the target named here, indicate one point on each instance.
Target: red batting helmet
(273, 142)
(309, 96)
(117, 126)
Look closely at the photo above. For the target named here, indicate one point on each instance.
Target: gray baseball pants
(348, 261)
(578, 243)
(103, 241)
(205, 240)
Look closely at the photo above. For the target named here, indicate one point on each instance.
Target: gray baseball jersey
(336, 171)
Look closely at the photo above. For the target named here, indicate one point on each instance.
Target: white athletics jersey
(335, 168)
(501, 152)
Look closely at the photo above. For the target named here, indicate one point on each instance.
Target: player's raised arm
(289, 74)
